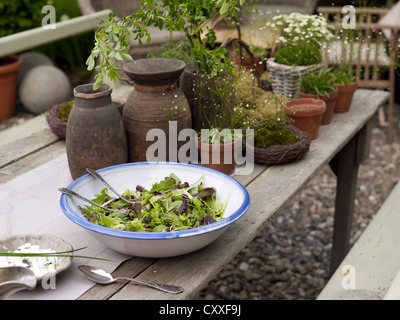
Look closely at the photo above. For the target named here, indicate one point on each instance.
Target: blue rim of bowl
(81, 221)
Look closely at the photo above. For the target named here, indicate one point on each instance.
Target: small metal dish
(45, 241)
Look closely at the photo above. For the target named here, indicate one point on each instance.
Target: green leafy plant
(20, 15)
(320, 83)
(343, 77)
(192, 17)
(298, 55)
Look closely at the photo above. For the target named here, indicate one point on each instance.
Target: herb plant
(190, 16)
(319, 83)
(298, 55)
(343, 77)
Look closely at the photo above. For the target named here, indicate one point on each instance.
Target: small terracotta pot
(330, 104)
(248, 63)
(219, 157)
(9, 67)
(345, 96)
(306, 114)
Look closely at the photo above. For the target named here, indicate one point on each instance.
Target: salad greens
(169, 205)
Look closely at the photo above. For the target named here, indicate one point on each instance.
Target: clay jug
(155, 103)
(95, 136)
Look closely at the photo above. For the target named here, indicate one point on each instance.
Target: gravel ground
(289, 259)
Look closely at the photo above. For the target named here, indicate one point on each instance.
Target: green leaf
(99, 80)
(90, 63)
(225, 7)
(163, 185)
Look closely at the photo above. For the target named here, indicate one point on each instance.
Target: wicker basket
(285, 79)
(58, 126)
(281, 154)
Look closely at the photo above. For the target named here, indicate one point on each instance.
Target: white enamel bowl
(156, 244)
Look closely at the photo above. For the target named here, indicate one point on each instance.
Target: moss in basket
(273, 134)
(63, 112)
(319, 83)
(298, 55)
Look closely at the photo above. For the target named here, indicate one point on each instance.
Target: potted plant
(218, 148)
(243, 59)
(306, 114)
(320, 85)
(191, 17)
(346, 84)
(298, 50)
(9, 67)
(219, 141)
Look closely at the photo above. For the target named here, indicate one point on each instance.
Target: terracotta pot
(345, 96)
(219, 157)
(248, 63)
(330, 104)
(306, 114)
(200, 90)
(153, 104)
(95, 136)
(9, 67)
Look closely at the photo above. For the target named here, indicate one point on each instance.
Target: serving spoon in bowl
(103, 277)
(99, 177)
(77, 195)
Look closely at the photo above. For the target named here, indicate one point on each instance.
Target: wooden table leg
(345, 165)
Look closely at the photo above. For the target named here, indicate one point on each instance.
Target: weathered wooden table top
(270, 189)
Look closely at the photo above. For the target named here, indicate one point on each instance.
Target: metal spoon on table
(103, 277)
(98, 176)
(74, 194)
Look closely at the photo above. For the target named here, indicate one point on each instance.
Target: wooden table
(343, 144)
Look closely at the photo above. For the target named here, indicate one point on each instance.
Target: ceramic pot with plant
(218, 149)
(320, 85)
(191, 17)
(346, 84)
(9, 67)
(208, 97)
(306, 114)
